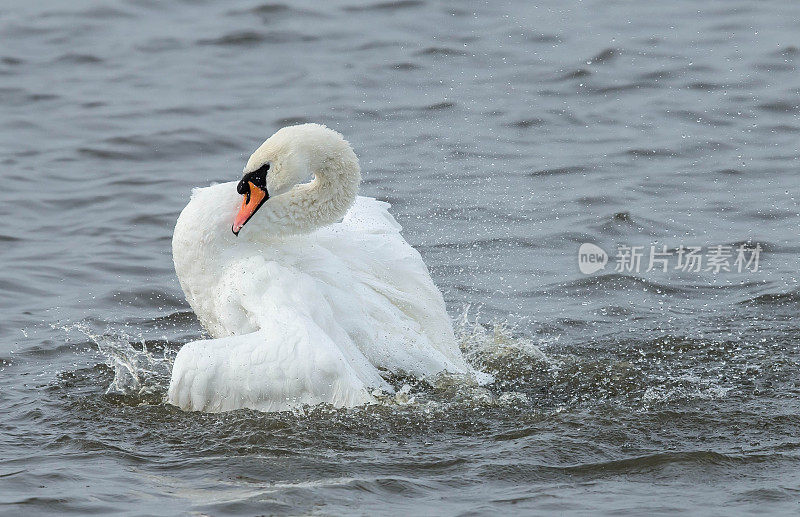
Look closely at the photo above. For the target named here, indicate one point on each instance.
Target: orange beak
(252, 201)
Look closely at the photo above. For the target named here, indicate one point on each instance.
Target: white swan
(317, 296)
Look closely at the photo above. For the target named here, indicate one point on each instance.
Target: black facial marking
(258, 178)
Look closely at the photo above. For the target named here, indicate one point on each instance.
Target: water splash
(141, 367)
(640, 373)
(493, 348)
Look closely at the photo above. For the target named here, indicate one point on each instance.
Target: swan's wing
(408, 322)
(288, 363)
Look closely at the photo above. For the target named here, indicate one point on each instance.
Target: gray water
(504, 135)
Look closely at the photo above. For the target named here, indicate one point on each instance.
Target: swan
(309, 291)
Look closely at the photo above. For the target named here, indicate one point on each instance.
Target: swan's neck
(323, 201)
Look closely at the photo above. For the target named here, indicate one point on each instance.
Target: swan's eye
(258, 178)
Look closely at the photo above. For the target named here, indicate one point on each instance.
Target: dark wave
(557, 171)
(20, 96)
(253, 38)
(536, 37)
(604, 56)
(787, 51)
(651, 153)
(705, 86)
(771, 299)
(385, 6)
(439, 106)
(526, 123)
(618, 282)
(79, 59)
(580, 73)
(269, 12)
(441, 51)
(159, 145)
(781, 106)
(405, 66)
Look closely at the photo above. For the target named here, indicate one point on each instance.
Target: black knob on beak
(243, 187)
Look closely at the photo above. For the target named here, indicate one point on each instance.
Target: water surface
(504, 134)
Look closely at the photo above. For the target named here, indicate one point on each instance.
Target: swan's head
(291, 157)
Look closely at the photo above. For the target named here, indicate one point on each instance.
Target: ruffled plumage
(303, 318)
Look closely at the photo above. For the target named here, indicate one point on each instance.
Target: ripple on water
(251, 38)
(781, 106)
(526, 123)
(615, 282)
(604, 56)
(440, 52)
(790, 298)
(160, 145)
(272, 12)
(386, 6)
(78, 59)
(557, 171)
